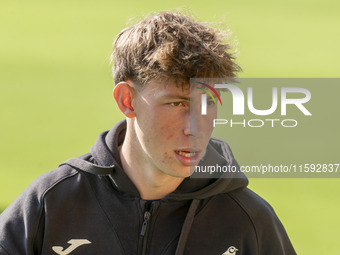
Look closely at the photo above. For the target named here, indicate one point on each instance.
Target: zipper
(144, 230)
(150, 207)
(147, 215)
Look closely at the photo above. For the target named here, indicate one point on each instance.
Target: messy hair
(172, 46)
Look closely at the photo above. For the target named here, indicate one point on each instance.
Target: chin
(185, 172)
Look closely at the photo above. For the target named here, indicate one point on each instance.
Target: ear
(124, 94)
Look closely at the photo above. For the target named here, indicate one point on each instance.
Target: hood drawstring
(187, 226)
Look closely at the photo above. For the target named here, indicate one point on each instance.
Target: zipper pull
(147, 215)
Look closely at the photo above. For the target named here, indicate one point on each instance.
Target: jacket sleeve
(21, 224)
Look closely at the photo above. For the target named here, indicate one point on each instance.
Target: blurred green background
(55, 88)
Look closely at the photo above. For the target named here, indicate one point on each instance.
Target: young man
(132, 194)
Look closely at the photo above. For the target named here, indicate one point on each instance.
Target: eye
(210, 102)
(176, 104)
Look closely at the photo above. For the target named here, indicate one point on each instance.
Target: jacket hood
(104, 159)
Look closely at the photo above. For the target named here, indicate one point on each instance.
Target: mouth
(186, 154)
(187, 157)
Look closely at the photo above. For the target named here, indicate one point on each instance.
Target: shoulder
(254, 206)
(62, 179)
(258, 210)
(271, 236)
(48, 181)
(30, 203)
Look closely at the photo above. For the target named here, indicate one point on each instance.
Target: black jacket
(89, 206)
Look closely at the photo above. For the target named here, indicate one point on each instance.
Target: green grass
(55, 90)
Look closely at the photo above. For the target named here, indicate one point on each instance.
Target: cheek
(166, 157)
(210, 121)
(167, 130)
(170, 135)
(159, 136)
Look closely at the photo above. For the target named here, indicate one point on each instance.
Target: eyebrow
(177, 97)
(172, 97)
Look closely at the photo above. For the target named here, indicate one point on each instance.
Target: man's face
(171, 133)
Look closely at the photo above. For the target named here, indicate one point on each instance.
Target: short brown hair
(171, 45)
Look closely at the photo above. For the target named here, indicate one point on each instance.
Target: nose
(193, 122)
(188, 126)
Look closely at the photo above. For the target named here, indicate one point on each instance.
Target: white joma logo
(74, 244)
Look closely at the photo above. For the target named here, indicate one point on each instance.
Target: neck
(151, 183)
